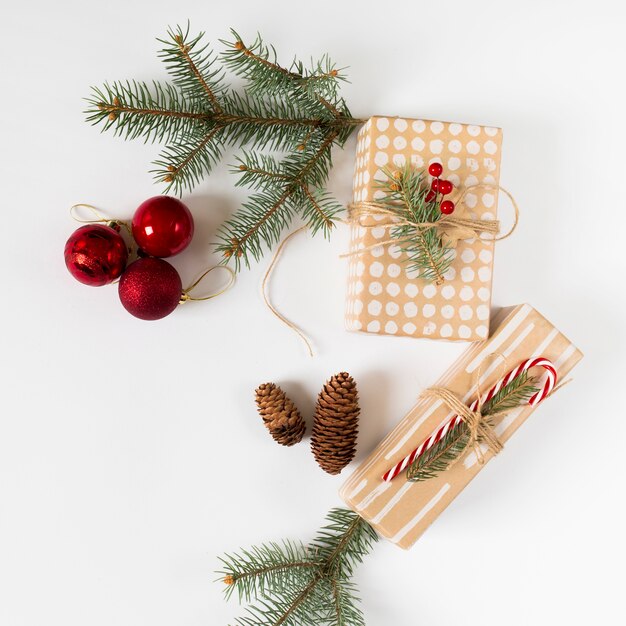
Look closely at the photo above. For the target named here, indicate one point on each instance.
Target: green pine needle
(405, 195)
(445, 452)
(292, 584)
(295, 110)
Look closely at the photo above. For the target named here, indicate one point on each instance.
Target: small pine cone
(280, 415)
(335, 429)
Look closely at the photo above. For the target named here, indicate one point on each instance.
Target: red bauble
(430, 196)
(435, 169)
(447, 207)
(96, 255)
(150, 288)
(162, 226)
(434, 185)
(445, 187)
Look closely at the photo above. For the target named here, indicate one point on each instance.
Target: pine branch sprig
(270, 211)
(258, 64)
(272, 566)
(154, 112)
(406, 194)
(192, 67)
(295, 110)
(445, 452)
(304, 586)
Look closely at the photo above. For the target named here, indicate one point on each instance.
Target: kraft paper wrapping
(400, 510)
(384, 297)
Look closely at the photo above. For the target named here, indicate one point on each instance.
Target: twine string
(479, 427)
(186, 295)
(266, 296)
(370, 208)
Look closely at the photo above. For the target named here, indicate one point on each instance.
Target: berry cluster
(149, 288)
(440, 186)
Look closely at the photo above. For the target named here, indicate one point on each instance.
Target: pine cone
(335, 429)
(280, 415)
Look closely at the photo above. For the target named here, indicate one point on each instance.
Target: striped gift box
(401, 510)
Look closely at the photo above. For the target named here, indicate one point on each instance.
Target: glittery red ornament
(96, 255)
(435, 169)
(447, 207)
(150, 288)
(445, 187)
(162, 226)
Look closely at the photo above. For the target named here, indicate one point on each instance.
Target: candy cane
(439, 434)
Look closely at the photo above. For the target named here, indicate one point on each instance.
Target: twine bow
(451, 228)
(479, 427)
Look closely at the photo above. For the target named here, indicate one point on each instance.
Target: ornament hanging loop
(186, 295)
(98, 217)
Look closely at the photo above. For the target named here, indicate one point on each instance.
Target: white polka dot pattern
(383, 296)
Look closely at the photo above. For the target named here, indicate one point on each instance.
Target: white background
(131, 454)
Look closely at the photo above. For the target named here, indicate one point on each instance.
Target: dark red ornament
(447, 207)
(150, 288)
(430, 196)
(435, 169)
(96, 255)
(162, 226)
(445, 187)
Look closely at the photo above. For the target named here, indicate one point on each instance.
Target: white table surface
(131, 455)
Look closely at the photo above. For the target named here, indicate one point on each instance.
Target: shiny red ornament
(445, 187)
(162, 226)
(434, 185)
(435, 169)
(96, 255)
(447, 207)
(150, 288)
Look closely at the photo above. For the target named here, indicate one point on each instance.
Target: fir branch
(184, 164)
(344, 610)
(294, 585)
(517, 392)
(191, 66)
(258, 64)
(406, 196)
(135, 109)
(445, 452)
(267, 214)
(295, 110)
(266, 567)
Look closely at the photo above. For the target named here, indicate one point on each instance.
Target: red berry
(96, 255)
(434, 185)
(447, 207)
(430, 196)
(162, 226)
(435, 169)
(445, 187)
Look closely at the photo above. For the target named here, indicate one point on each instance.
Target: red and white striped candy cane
(439, 434)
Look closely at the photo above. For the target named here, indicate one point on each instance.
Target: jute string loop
(186, 295)
(479, 428)
(470, 227)
(266, 297)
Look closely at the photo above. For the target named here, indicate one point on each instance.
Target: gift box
(385, 296)
(401, 510)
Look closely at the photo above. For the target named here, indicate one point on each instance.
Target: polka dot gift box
(384, 295)
(402, 510)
